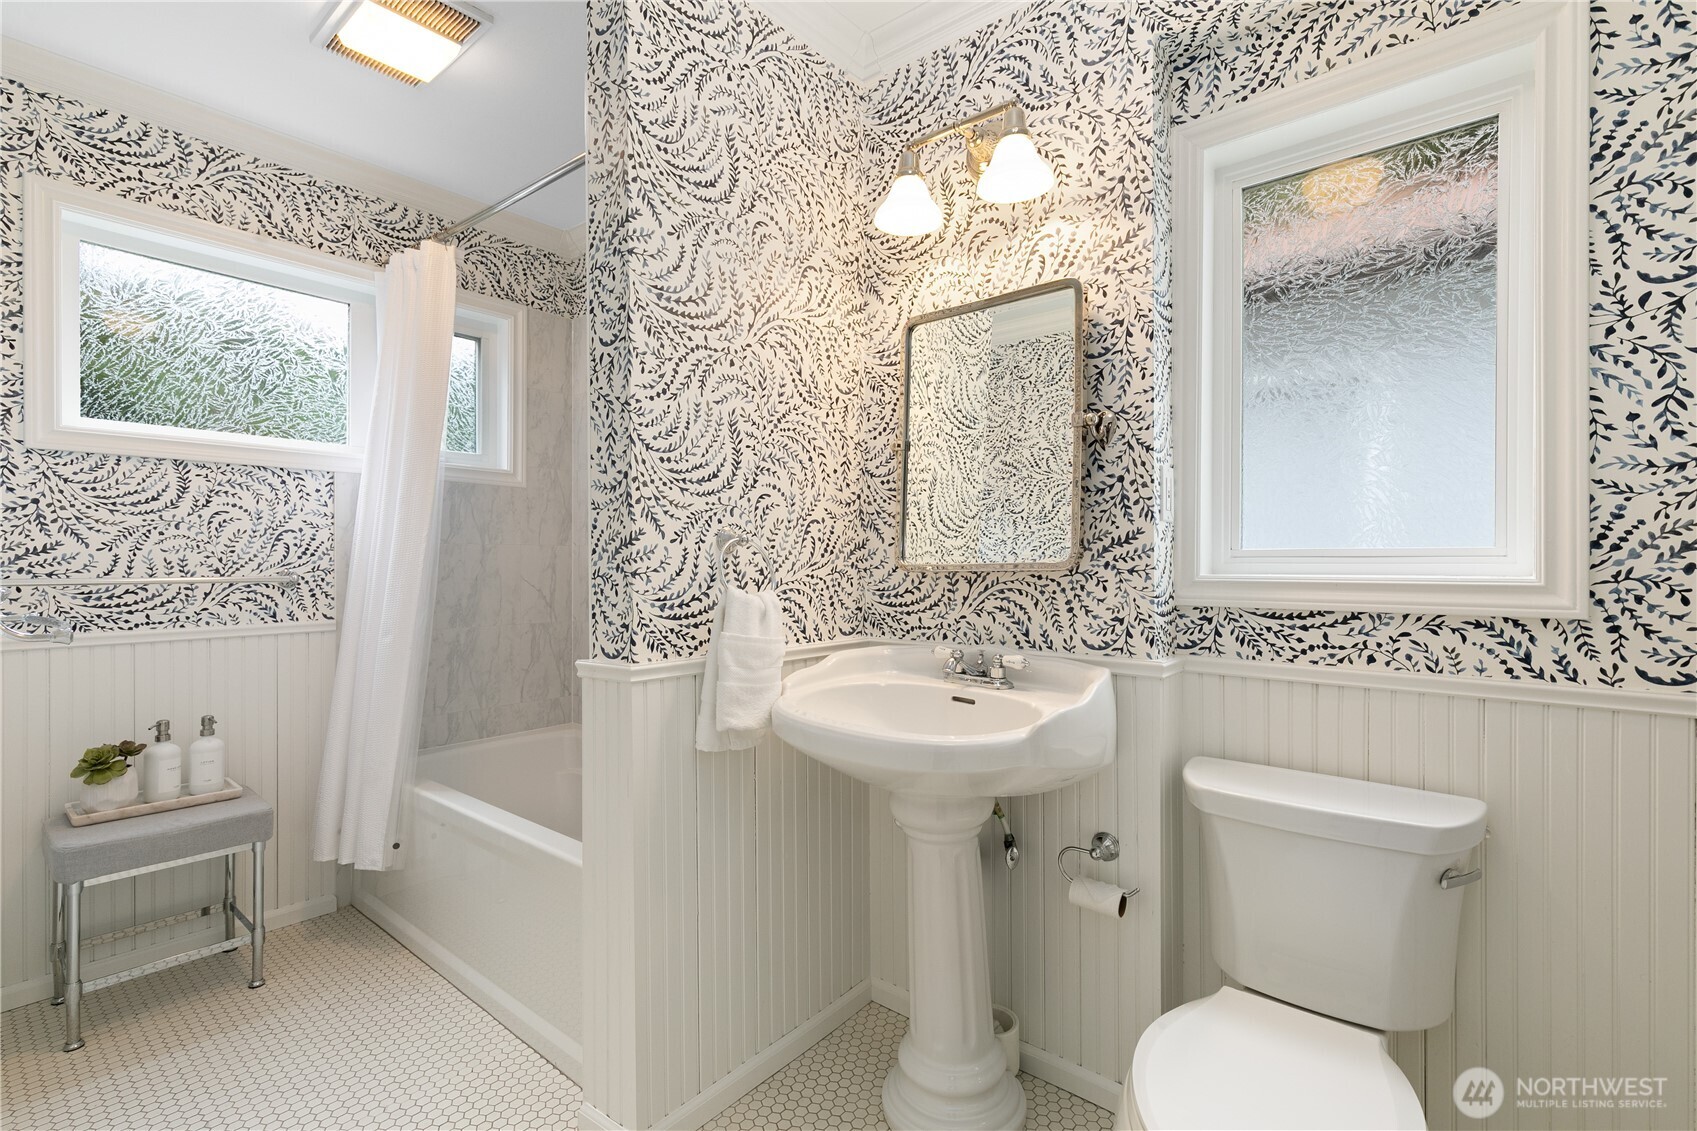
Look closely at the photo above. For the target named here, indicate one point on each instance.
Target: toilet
(1335, 905)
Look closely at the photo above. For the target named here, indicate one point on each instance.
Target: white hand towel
(745, 657)
(751, 659)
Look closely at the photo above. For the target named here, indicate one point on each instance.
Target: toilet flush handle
(1454, 879)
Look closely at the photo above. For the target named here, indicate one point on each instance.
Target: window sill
(1426, 597)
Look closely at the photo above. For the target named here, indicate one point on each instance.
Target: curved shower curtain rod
(477, 218)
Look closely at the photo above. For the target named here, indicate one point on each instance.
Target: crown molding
(868, 54)
(927, 28)
(47, 72)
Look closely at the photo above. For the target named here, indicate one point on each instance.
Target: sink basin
(885, 715)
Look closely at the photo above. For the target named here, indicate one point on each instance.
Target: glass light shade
(908, 210)
(1016, 172)
(391, 38)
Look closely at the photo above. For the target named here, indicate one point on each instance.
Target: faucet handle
(1013, 660)
(944, 652)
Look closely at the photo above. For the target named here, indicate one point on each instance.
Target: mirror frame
(902, 449)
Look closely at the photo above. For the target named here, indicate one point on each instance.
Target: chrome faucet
(54, 628)
(979, 673)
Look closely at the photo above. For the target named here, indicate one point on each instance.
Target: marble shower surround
(73, 513)
(511, 615)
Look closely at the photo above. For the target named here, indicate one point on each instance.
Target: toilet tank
(1323, 891)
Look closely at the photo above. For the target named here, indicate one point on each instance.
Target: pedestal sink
(944, 750)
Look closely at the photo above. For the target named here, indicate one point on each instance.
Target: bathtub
(493, 887)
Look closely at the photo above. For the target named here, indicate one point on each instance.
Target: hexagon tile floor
(839, 1083)
(351, 1031)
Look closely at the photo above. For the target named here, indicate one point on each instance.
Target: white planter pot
(114, 794)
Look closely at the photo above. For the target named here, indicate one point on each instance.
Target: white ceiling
(869, 38)
(503, 114)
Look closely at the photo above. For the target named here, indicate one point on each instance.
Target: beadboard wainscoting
(724, 901)
(1084, 986)
(1577, 946)
(269, 686)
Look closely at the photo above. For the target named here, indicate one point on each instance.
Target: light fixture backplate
(980, 143)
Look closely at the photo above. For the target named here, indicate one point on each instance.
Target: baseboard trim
(888, 995)
(1042, 1064)
(588, 1115)
(556, 1047)
(730, 1088)
(1063, 1074)
(41, 988)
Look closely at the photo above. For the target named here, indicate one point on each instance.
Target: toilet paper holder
(1103, 846)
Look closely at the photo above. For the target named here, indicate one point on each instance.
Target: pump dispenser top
(162, 766)
(206, 759)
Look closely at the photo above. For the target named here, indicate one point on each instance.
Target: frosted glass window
(464, 368)
(169, 345)
(1369, 384)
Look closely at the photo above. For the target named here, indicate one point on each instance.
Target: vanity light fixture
(1016, 170)
(908, 209)
(1000, 155)
(410, 40)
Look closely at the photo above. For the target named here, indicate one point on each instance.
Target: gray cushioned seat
(75, 854)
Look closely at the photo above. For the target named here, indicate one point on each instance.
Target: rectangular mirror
(992, 440)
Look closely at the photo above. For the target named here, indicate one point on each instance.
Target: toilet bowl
(1238, 1059)
(1336, 904)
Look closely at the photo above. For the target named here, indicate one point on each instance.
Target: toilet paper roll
(1094, 895)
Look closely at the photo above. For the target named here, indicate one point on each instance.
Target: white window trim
(57, 214)
(500, 328)
(1526, 64)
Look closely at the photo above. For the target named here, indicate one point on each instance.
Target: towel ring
(728, 538)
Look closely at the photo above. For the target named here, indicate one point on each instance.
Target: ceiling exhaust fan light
(908, 210)
(1016, 171)
(410, 40)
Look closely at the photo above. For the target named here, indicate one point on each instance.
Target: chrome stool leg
(73, 966)
(258, 915)
(58, 944)
(230, 898)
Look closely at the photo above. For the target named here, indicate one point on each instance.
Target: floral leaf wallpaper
(1642, 631)
(725, 365)
(64, 513)
(692, 417)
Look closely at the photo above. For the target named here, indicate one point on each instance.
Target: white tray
(77, 815)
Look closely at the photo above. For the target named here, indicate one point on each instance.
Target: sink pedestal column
(950, 1072)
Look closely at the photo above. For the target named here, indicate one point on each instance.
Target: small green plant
(101, 764)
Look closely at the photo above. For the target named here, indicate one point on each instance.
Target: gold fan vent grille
(443, 19)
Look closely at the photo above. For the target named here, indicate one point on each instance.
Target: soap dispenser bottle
(162, 766)
(206, 759)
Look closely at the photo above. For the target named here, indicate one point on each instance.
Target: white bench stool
(78, 858)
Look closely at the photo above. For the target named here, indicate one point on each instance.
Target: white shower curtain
(372, 742)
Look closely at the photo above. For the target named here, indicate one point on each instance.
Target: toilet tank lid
(1336, 808)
